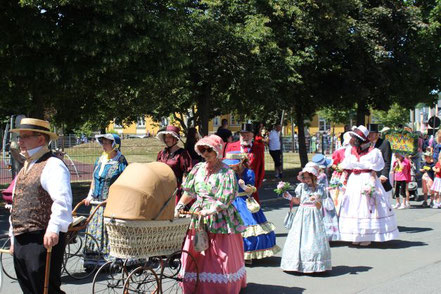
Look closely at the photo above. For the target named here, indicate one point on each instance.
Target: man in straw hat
(386, 151)
(42, 209)
(255, 151)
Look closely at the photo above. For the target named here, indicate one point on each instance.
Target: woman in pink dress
(214, 186)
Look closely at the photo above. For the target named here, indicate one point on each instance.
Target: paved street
(409, 265)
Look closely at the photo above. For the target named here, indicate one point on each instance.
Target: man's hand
(383, 179)
(50, 239)
(11, 249)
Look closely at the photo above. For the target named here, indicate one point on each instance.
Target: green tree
(393, 118)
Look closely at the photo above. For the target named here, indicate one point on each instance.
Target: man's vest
(31, 207)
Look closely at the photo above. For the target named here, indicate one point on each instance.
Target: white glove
(180, 206)
(287, 196)
(207, 212)
(242, 184)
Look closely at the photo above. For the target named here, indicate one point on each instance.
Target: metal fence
(81, 154)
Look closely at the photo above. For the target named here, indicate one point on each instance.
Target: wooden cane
(47, 270)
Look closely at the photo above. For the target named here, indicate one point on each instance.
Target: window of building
(234, 120)
(324, 125)
(140, 122)
(216, 121)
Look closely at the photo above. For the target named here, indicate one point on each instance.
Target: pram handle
(189, 213)
(82, 202)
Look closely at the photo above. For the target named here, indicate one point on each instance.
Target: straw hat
(35, 125)
(234, 157)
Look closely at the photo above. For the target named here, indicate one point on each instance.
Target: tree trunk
(204, 113)
(301, 136)
(362, 111)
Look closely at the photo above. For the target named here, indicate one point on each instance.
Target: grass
(146, 150)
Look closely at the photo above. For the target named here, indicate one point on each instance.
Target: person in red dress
(256, 153)
(174, 156)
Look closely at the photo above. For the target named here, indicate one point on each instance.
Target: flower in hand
(282, 187)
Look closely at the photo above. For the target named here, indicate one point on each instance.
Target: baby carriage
(144, 237)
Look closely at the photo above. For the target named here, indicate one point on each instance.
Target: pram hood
(141, 191)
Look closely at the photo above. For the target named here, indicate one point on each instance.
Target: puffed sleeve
(227, 191)
(122, 164)
(298, 190)
(188, 186)
(186, 162)
(377, 162)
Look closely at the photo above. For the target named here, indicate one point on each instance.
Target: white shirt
(55, 179)
(274, 140)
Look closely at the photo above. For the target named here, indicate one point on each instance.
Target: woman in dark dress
(174, 156)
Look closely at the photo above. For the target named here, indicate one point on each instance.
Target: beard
(245, 143)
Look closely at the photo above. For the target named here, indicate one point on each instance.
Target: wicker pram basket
(143, 239)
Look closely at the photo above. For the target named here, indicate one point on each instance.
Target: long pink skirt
(221, 267)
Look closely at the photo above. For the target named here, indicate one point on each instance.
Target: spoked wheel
(75, 262)
(7, 261)
(173, 278)
(142, 280)
(110, 277)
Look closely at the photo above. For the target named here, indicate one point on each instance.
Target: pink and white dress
(221, 267)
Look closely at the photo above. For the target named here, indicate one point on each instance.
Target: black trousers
(30, 263)
(276, 155)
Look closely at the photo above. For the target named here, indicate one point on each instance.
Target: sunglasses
(205, 149)
(25, 137)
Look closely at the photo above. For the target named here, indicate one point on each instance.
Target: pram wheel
(77, 263)
(173, 277)
(7, 261)
(110, 277)
(142, 280)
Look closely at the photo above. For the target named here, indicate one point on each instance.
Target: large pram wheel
(142, 280)
(172, 279)
(110, 277)
(76, 264)
(7, 261)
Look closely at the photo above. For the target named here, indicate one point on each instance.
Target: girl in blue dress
(259, 238)
(307, 248)
(107, 169)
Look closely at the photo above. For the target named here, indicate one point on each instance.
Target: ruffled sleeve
(227, 190)
(189, 184)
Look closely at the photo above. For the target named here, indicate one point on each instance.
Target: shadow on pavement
(259, 288)
(394, 244)
(273, 261)
(413, 229)
(336, 271)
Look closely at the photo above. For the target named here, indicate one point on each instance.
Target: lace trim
(262, 253)
(216, 278)
(256, 230)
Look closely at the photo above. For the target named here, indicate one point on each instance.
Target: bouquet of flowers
(369, 191)
(282, 187)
